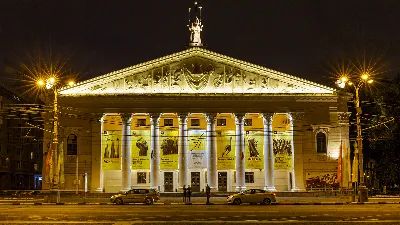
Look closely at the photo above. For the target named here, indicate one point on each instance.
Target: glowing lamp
(365, 76)
(370, 81)
(343, 79)
(52, 79)
(71, 83)
(40, 83)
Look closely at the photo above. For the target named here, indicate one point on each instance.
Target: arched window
(72, 145)
(321, 142)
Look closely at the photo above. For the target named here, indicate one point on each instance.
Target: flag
(61, 162)
(354, 177)
(48, 162)
(339, 172)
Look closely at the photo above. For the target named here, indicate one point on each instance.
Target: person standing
(184, 193)
(208, 193)
(189, 192)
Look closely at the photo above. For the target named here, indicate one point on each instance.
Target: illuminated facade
(197, 117)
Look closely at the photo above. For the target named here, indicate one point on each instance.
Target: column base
(269, 188)
(214, 189)
(99, 190)
(240, 189)
(296, 189)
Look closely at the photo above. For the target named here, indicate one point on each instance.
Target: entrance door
(168, 181)
(222, 181)
(195, 182)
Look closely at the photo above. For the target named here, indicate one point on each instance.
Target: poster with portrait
(197, 149)
(140, 149)
(111, 152)
(169, 149)
(226, 149)
(254, 150)
(282, 146)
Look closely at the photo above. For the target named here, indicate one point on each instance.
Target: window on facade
(248, 122)
(195, 122)
(321, 142)
(168, 122)
(249, 177)
(72, 145)
(141, 122)
(141, 177)
(19, 165)
(18, 152)
(221, 122)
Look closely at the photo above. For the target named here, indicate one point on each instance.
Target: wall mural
(321, 180)
(282, 150)
(226, 142)
(140, 149)
(254, 149)
(169, 149)
(197, 149)
(111, 152)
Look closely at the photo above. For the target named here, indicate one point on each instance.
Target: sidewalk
(202, 200)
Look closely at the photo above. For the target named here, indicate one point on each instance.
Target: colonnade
(211, 150)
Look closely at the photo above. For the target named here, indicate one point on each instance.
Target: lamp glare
(71, 83)
(365, 76)
(40, 83)
(370, 81)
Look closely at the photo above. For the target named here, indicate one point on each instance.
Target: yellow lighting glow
(40, 83)
(71, 83)
(52, 79)
(365, 76)
(370, 81)
(350, 83)
(343, 79)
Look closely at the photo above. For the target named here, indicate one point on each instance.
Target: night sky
(299, 37)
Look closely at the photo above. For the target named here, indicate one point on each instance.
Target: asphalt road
(200, 214)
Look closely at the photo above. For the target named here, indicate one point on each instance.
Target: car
(252, 196)
(146, 196)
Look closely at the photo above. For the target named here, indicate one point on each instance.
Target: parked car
(146, 196)
(252, 196)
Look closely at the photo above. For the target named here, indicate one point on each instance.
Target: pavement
(322, 200)
(200, 214)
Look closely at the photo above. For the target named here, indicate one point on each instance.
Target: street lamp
(53, 83)
(342, 82)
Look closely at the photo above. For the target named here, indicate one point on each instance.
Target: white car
(252, 196)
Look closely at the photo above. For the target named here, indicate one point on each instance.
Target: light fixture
(365, 76)
(71, 83)
(370, 81)
(40, 83)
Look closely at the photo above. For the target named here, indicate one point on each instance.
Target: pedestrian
(189, 192)
(208, 193)
(184, 193)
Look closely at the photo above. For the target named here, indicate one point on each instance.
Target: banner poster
(140, 149)
(169, 149)
(282, 145)
(254, 150)
(226, 142)
(322, 180)
(197, 149)
(112, 146)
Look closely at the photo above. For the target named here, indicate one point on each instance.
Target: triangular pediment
(196, 71)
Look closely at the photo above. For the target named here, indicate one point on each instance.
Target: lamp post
(342, 82)
(53, 83)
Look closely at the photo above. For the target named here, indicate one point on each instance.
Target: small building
(197, 117)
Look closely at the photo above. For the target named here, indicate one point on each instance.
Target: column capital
(343, 117)
(267, 117)
(182, 117)
(97, 117)
(210, 117)
(296, 116)
(154, 118)
(126, 117)
(239, 117)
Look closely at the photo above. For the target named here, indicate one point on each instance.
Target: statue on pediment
(195, 26)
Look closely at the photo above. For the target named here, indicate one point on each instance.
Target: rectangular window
(141, 177)
(168, 122)
(19, 165)
(221, 122)
(18, 152)
(249, 177)
(141, 122)
(248, 122)
(195, 122)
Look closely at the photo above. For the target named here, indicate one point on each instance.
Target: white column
(183, 150)
(211, 150)
(126, 151)
(155, 151)
(97, 157)
(297, 151)
(268, 152)
(240, 159)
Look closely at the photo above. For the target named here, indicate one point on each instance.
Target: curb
(200, 203)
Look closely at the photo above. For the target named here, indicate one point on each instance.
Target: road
(201, 214)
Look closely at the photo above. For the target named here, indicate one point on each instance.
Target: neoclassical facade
(196, 118)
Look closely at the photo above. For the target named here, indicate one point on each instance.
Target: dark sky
(298, 37)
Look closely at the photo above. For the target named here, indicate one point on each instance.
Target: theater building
(197, 117)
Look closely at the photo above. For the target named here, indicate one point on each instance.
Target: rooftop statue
(195, 30)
